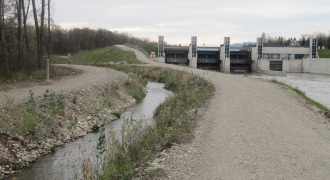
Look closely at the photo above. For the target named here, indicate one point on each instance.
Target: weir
(208, 57)
(176, 55)
(240, 59)
(275, 60)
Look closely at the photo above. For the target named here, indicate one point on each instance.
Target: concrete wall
(317, 66)
(193, 60)
(160, 59)
(263, 64)
(292, 66)
(254, 66)
(254, 53)
(285, 50)
(225, 62)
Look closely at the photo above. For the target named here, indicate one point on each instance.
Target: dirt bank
(84, 97)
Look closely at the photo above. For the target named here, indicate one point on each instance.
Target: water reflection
(316, 86)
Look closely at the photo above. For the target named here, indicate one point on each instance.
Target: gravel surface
(250, 129)
(84, 108)
(91, 76)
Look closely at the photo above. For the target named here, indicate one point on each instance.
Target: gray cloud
(210, 20)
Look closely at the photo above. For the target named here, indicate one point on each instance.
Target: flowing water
(315, 86)
(67, 161)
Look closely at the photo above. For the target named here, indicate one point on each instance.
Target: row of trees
(27, 36)
(20, 41)
(77, 39)
(322, 38)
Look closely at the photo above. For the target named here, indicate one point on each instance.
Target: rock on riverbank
(84, 109)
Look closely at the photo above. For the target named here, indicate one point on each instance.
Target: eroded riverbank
(68, 160)
(85, 108)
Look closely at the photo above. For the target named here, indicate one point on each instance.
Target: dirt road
(90, 76)
(251, 129)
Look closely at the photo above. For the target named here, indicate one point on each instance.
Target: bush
(96, 128)
(139, 143)
(37, 122)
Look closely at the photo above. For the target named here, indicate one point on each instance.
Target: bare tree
(42, 25)
(25, 14)
(19, 31)
(49, 39)
(3, 39)
(37, 33)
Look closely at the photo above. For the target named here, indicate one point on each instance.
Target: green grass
(172, 118)
(324, 53)
(136, 89)
(21, 79)
(149, 48)
(100, 56)
(138, 143)
(117, 114)
(306, 98)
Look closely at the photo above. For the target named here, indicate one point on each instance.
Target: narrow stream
(316, 86)
(67, 161)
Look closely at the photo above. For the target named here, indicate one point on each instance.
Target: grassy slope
(324, 53)
(172, 117)
(22, 79)
(148, 48)
(100, 56)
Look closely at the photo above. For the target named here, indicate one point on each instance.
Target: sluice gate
(176, 55)
(276, 65)
(208, 58)
(240, 60)
(245, 58)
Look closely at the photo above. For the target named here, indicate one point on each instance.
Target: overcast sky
(209, 20)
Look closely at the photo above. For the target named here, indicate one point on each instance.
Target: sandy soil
(251, 129)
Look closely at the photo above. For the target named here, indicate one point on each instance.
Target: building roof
(207, 49)
(176, 48)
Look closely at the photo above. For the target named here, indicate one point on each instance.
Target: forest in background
(28, 36)
(323, 39)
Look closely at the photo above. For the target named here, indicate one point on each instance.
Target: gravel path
(251, 129)
(90, 76)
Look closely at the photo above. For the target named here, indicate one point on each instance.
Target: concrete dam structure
(260, 58)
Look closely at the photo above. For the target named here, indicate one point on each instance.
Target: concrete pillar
(192, 55)
(160, 59)
(193, 62)
(226, 66)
